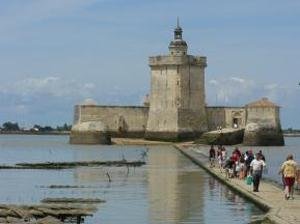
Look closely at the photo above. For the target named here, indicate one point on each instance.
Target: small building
(263, 124)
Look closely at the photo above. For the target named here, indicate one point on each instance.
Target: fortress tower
(177, 98)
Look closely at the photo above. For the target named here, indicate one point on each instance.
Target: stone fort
(176, 108)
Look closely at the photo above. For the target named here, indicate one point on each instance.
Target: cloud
(51, 99)
(51, 86)
(271, 86)
(237, 79)
(42, 99)
(237, 91)
(229, 91)
(213, 82)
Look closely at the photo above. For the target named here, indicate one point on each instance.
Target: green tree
(10, 126)
(65, 127)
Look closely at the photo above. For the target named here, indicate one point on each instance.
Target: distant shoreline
(118, 140)
(291, 134)
(34, 132)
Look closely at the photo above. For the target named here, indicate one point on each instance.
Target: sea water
(168, 189)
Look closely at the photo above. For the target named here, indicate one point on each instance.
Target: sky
(57, 53)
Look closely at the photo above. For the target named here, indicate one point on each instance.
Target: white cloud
(237, 79)
(213, 82)
(51, 86)
(237, 91)
(89, 86)
(271, 86)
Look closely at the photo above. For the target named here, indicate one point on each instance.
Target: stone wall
(215, 117)
(121, 121)
(266, 116)
(163, 100)
(224, 117)
(235, 114)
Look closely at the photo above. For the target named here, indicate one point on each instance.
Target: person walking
(289, 171)
(224, 155)
(212, 156)
(249, 158)
(262, 156)
(242, 172)
(219, 157)
(256, 168)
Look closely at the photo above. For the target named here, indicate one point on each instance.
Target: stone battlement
(177, 60)
(111, 106)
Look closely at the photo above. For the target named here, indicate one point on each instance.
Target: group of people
(249, 165)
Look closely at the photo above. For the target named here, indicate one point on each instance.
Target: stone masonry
(177, 98)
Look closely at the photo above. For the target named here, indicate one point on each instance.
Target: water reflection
(169, 189)
(231, 208)
(175, 189)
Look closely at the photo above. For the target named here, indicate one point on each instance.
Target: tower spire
(178, 31)
(178, 46)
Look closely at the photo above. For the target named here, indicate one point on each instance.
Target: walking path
(270, 198)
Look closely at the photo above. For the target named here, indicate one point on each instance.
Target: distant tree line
(291, 130)
(11, 126)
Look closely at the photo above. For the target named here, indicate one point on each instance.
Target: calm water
(169, 189)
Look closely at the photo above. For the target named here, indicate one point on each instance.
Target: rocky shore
(50, 211)
(70, 165)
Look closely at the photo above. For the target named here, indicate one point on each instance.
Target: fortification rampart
(121, 121)
(177, 60)
(177, 107)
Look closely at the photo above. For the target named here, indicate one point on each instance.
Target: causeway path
(270, 198)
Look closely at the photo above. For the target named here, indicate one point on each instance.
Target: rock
(49, 220)
(21, 213)
(48, 211)
(69, 165)
(4, 212)
(224, 137)
(90, 133)
(36, 213)
(10, 219)
(262, 135)
(72, 200)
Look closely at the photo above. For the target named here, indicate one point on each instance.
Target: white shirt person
(256, 168)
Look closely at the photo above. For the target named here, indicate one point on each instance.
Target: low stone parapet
(90, 137)
(90, 133)
(222, 137)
